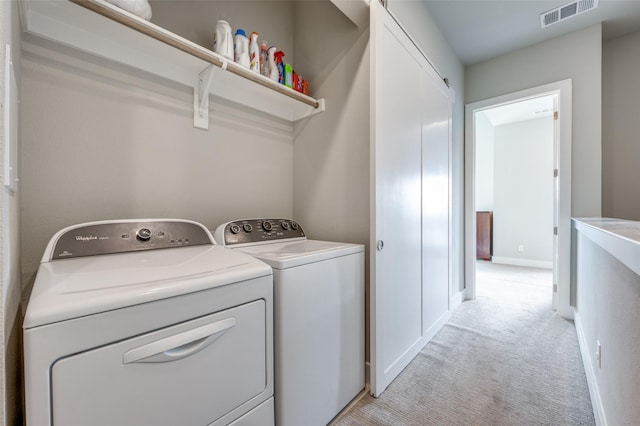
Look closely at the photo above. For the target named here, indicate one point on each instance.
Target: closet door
(395, 280)
(436, 206)
(410, 175)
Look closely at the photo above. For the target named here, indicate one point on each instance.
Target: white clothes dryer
(318, 316)
(148, 322)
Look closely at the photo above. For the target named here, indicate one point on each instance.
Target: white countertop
(619, 237)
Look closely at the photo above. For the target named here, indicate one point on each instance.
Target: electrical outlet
(598, 354)
(520, 248)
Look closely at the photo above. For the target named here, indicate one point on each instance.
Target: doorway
(514, 197)
(560, 224)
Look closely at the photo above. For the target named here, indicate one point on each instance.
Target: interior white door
(556, 204)
(396, 285)
(436, 124)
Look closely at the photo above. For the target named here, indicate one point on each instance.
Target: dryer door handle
(180, 345)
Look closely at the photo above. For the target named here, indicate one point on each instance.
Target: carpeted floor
(505, 358)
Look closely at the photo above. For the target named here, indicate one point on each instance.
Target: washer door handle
(180, 345)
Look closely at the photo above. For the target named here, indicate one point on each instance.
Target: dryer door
(191, 373)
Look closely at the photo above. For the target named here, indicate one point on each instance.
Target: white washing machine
(318, 316)
(148, 322)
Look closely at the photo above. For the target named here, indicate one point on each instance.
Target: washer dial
(143, 234)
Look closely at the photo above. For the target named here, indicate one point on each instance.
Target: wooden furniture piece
(484, 235)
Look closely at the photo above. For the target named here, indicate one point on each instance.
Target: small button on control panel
(258, 230)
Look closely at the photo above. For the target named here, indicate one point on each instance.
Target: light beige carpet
(505, 358)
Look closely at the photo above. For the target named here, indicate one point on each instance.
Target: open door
(556, 204)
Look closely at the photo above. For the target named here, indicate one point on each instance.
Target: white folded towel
(140, 8)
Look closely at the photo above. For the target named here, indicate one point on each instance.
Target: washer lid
(77, 287)
(285, 255)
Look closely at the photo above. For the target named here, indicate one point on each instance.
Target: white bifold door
(410, 167)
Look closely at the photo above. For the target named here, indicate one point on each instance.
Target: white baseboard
(433, 330)
(456, 299)
(522, 262)
(594, 392)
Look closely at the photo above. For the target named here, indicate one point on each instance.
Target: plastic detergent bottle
(254, 53)
(280, 65)
(264, 59)
(241, 48)
(222, 39)
(288, 75)
(273, 68)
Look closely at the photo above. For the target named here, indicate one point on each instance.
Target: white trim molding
(531, 263)
(562, 89)
(594, 391)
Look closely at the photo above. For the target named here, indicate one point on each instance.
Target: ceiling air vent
(566, 11)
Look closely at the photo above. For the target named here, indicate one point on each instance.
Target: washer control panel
(125, 236)
(260, 230)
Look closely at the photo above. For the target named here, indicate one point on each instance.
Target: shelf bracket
(201, 98)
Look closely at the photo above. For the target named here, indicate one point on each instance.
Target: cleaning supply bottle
(273, 67)
(222, 39)
(288, 75)
(241, 48)
(279, 55)
(264, 59)
(254, 53)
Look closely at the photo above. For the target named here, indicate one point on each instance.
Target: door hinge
(555, 115)
(555, 172)
(555, 230)
(555, 288)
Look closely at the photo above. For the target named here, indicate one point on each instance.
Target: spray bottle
(254, 53)
(279, 55)
(273, 67)
(264, 59)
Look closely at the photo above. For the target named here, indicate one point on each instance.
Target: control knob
(143, 234)
(234, 228)
(247, 227)
(286, 226)
(267, 226)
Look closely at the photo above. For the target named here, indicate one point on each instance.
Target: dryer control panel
(252, 231)
(98, 238)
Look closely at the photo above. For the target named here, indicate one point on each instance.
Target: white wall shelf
(105, 30)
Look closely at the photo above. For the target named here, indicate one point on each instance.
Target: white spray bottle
(273, 69)
(254, 53)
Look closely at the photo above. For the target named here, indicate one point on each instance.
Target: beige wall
(577, 56)
(331, 151)
(621, 127)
